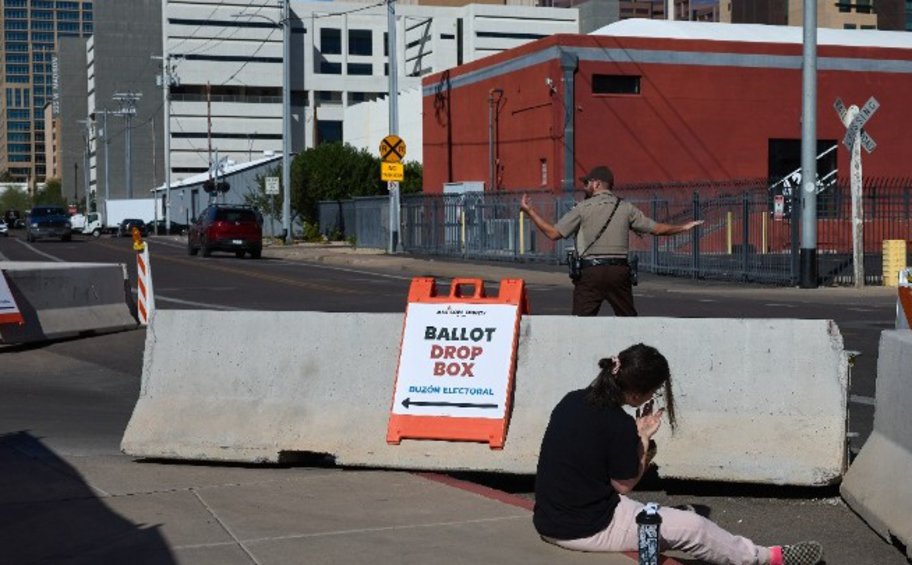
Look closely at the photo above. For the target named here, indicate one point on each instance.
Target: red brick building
(661, 102)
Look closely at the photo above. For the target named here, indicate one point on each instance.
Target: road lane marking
(42, 253)
(213, 266)
(204, 305)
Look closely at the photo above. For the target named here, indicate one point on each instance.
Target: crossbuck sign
(855, 138)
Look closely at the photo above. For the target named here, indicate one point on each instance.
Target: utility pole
(87, 137)
(808, 254)
(286, 120)
(285, 23)
(127, 111)
(393, 99)
(103, 134)
(168, 79)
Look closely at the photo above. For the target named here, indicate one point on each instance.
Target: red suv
(227, 227)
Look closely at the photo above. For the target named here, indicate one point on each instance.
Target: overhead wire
(199, 27)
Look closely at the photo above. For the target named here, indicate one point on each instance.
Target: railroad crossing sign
(854, 120)
(392, 150)
(392, 171)
(855, 138)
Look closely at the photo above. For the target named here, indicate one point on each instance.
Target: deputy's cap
(601, 173)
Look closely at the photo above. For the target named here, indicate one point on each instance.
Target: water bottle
(648, 522)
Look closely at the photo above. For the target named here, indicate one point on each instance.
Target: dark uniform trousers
(603, 282)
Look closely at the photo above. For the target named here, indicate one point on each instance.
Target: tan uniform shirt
(586, 219)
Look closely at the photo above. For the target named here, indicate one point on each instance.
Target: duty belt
(598, 261)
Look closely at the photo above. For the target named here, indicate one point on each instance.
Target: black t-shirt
(584, 447)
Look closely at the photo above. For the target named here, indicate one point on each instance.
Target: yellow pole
(462, 230)
(522, 232)
(764, 244)
(728, 232)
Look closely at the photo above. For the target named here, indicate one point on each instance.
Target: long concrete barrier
(59, 300)
(877, 485)
(758, 400)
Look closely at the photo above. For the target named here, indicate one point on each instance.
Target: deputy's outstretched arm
(545, 226)
(671, 229)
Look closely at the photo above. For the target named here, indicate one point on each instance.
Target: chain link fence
(750, 232)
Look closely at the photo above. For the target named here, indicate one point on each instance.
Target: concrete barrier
(759, 400)
(59, 300)
(877, 485)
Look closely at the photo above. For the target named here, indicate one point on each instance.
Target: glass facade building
(30, 32)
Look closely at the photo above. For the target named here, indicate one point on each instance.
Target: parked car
(48, 221)
(4, 229)
(227, 227)
(157, 227)
(125, 229)
(12, 217)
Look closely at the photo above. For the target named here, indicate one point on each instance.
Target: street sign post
(392, 151)
(855, 138)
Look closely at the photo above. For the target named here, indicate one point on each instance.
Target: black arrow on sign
(409, 402)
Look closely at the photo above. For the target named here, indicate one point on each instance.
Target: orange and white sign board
(456, 363)
(9, 310)
(904, 300)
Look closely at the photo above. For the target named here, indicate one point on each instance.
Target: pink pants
(680, 530)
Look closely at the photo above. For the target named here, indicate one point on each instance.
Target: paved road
(69, 401)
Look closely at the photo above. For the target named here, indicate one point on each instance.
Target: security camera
(549, 82)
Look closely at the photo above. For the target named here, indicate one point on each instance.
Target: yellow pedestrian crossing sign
(392, 149)
(392, 171)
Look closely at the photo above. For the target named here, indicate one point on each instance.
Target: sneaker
(801, 553)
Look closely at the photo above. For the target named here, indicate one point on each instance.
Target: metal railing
(749, 232)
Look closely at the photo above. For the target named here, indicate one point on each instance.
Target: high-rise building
(839, 14)
(31, 29)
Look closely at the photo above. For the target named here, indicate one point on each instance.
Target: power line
(196, 149)
(257, 50)
(199, 27)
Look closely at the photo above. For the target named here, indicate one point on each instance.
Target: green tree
(268, 204)
(14, 199)
(414, 178)
(332, 171)
(5, 176)
(338, 171)
(51, 194)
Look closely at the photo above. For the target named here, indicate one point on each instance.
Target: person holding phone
(601, 225)
(594, 453)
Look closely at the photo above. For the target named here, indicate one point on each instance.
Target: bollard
(145, 300)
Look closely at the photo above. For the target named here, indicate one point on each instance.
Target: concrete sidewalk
(111, 509)
(343, 255)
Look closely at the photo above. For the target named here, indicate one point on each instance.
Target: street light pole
(285, 23)
(393, 100)
(286, 120)
(808, 253)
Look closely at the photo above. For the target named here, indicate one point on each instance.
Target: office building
(124, 102)
(228, 63)
(688, 101)
(31, 31)
(842, 14)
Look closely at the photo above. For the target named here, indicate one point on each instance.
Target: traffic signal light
(211, 186)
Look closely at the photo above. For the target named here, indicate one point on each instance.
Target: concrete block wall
(59, 300)
(758, 400)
